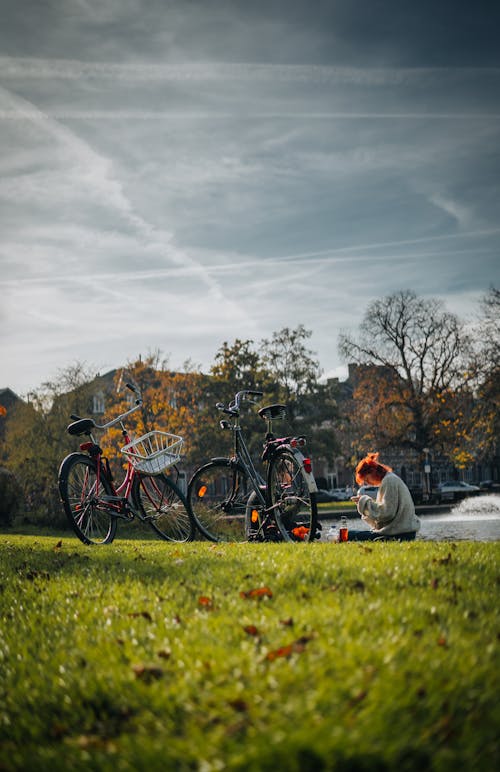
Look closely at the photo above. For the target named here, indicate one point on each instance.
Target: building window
(98, 403)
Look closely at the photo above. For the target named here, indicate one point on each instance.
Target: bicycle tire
(218, 493)
(164, 507)
(89, 518)
(294, 505)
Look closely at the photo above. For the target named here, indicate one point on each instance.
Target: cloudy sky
(179, 173)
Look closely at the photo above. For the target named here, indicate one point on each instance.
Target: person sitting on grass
(391, 516)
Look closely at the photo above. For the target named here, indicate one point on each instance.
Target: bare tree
(489, 332)
(485, 424)
(421, 349)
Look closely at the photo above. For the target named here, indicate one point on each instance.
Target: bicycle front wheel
(82, 498)
(294, 506)
(164, 507)
(217, 496)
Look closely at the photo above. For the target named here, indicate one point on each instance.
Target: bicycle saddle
(82, 426)
(272, 412)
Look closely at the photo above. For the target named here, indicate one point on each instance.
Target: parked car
(368, 490)
(323, 496)
(489, 485)
(341, 494)
(455, 489)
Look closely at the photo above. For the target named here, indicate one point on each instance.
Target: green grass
(147, 656)
(336, 506)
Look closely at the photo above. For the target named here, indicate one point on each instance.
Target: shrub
(10, 497)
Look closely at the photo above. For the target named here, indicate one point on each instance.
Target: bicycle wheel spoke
(164, 508)
(218, 494)
(294, 507)
(81, 495)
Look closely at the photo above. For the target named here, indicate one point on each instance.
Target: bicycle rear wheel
(217, 496)
(81, 496)
(294, 506)
(164, 507)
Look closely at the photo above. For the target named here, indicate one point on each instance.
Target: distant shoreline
(420, 509)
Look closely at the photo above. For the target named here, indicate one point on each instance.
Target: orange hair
(371, 465)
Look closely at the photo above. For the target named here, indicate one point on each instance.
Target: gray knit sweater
(393, 511)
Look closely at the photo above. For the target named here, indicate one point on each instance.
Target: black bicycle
(231, 501)
(94, 503)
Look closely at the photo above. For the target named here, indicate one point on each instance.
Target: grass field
(147, 656)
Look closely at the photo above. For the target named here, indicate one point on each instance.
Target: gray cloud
(178, 173)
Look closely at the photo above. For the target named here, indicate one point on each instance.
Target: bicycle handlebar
(138, 404)
(116, 420)
(234, 407)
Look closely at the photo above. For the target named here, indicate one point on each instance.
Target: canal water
(474, 519)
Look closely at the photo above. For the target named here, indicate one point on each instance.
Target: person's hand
(355, 498)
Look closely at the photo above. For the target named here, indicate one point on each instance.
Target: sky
(175, 174)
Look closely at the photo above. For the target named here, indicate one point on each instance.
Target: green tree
(294, 367)
(36, 440)
(237, 367)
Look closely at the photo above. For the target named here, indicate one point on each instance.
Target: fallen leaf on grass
(287, 622)
(358, 697)
(258, 592)
(58, 545)
(205, 602)
(147, 673)
(239, 705)
(143, 614)
(443, 561)
(251, 630)
(297, 647)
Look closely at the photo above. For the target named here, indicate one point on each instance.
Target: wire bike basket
(154, 452)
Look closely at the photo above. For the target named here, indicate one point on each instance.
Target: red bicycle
(94, 504)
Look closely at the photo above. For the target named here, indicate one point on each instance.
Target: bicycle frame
(119, 503)
(242, 456)
(272, 446)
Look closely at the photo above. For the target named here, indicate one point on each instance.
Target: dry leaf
(147, 673)
(297, 647)
(143, 614)
(251, 630)
(259, 592)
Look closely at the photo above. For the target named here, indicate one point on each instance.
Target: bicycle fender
(63, 462)
(221, 458)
